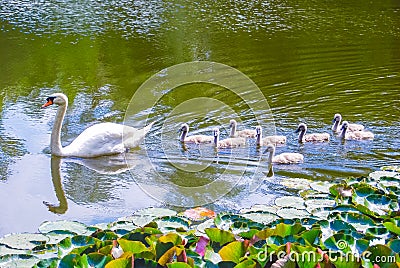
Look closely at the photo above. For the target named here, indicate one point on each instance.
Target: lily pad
(308, 192)
(202, 226)
(358, 221)
(72, 243)
(357, 218)
(4, 250)
(395, 245)
(233, 251)
(381, 254)
(316, 195)
(98, 260)
(393, 226)
(348, 260)
(102, 226)
(224, 221)
(364, 189)
(138, 220)
(178, 265)
(312, 204)
(321, 213)
(24, 240)
(220, 236)
(296, 183)
(376, 175)
(261, 217)
(70, 226)
(378, 231)
(123, 225)
(392, 184)
(155, 212)
(391, 168)
(290, 201)
(18, 260)
(259, 208)
(321, 186)
(339, 225)
(74, 260)
(340, 242)
(345, 208)
(292, 213)
(132, 246)
(308, 222)
(47, 263)
(57, 236)
(379, 203)
(105, 235)
(169, 223)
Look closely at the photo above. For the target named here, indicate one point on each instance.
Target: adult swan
(97, 140)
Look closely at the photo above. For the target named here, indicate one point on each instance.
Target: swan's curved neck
(343, 133)
(233, 130)
(301, 135)
(259, 137)
(216, 140)
(55, 142)
(183, 135)
(336, 125)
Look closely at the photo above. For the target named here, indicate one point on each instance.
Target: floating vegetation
(354, 223)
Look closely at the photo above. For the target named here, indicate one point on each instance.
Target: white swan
(98, 140)
(260, 141)
(194, 138)
(246, 133)
(229, 142)
(356, 135)
(303, 137)
(284, 158)
(352, 127)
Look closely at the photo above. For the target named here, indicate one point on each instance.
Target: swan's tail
(134, 136)
(148, 127)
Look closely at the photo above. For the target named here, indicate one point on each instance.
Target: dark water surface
(310, 59)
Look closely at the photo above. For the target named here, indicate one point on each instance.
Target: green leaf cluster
(354, 223)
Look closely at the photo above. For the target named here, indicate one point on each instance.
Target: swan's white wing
(133, 137)
(355, 127)
(246, 133)
(317, 137)
(105, 139)
(288, 158)
(97, 140)
(359, 135)
(231, 142)
(199, 139)
(274, 140)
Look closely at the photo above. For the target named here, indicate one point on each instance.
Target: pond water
(310, 59)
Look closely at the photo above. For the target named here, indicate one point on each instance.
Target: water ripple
(94, 17)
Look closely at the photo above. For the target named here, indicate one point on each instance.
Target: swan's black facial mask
(49, 101)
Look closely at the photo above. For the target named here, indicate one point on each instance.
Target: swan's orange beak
(48, 103)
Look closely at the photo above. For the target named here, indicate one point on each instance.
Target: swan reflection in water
(62, 207)
(106, 165)
(166, 180)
